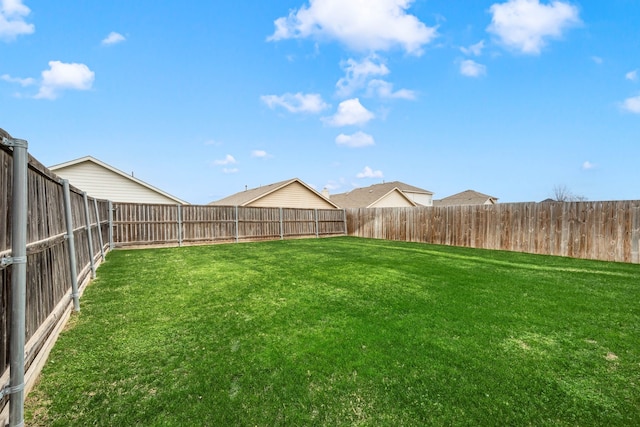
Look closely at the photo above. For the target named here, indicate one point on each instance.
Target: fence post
(95, 204)
(89, 238)
(18, 261)
(111, 244)
(179, 225)
(315, 211)
(71, 245)
(344, 213)
(237, 221)
(281, 225)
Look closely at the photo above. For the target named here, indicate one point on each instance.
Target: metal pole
(281, 225)
(179, 225)
(71, 245)
(317, 229)
(89, 238)
(111, 244)
(18, 280)
(95, 204)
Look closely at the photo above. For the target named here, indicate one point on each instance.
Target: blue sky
(509, 98)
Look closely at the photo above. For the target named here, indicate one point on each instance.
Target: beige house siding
(103, 183)
(393, 199)
(294, 195)
(388, 194)
(423, 199)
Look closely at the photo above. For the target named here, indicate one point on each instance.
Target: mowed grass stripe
(347, 331)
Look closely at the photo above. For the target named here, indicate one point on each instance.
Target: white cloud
(230, 170)
(471, 68)
(632, 75)
(335, 185)
(357, 74)
(350, 112)
(384, 89)
(297, 102)
(525, 25)
(587, 165)
(598, 60)
(632, 104)
(22, 82)
(367, 172)
(228, 160)
(12, 23)
(357, 140)
(362, 25)
(113, 38)
(475, 49)
(260, 154)
(61, 76)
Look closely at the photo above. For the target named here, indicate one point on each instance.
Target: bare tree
(562, 194)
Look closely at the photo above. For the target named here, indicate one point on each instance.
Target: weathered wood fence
(608, 231)
(137, 224)
(49, 281)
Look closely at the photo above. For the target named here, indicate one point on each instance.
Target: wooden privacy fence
(49, 266)
(608, 231)
(138, 224)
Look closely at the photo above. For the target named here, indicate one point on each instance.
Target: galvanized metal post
(95, 204)
(111, 244)
(281, 225)
(179, 225)
(237, 221)
(18, 263)
(71, 245)
(317, 229)
(89, 237)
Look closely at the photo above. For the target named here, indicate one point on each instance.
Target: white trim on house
(393, 194)
(293, 193)
(85, 174)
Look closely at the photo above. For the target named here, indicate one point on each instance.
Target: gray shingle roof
(246, 197)
(468, 197)
(365, 196)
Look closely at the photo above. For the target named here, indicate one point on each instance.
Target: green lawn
(347, 331)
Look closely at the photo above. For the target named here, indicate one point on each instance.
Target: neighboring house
(386, 195)
(292, 193)
(468, 197)
(103, 181)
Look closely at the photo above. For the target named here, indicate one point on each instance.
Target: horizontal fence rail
(142, 224)
(69, 233)
(48, 281)
(607, 231)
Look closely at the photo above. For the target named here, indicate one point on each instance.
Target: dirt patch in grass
(611, 357)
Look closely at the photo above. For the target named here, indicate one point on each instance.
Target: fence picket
(608, 231)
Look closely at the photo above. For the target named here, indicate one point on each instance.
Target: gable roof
(247, 197)
(95, 162)
(467, 197)
(365, 197)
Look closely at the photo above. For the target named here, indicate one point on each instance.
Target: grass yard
(347, 331)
